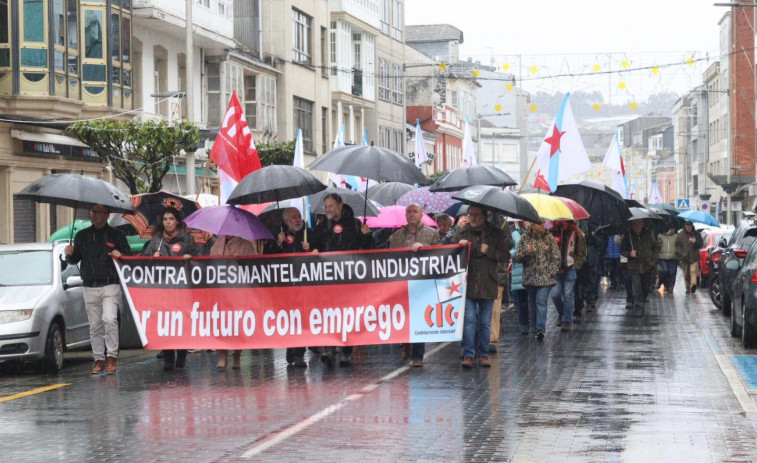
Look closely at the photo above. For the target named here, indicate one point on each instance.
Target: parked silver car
(744, 284)
(42, 310)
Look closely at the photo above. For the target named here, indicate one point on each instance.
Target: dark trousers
(520, 299)
(612, 265)
(668, 271)
(170, 356)
(626, 280)
(642, 283)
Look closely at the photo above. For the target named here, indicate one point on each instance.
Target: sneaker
(484, 362)
(236, 358)
(110, 365)
(99, 367)
(290, 355)
(467, 363)
(688, 292)
(181, 362)
(168, 367)
(492, 348)
(540, 335)
(693, 289)
(565, 327)
(328, 360)
(417, 362)
(346, 360)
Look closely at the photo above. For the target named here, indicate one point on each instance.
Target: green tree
(140, 153)
(276, 152)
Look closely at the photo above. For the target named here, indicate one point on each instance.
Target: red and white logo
(290, 239)
(176, 247)
(338, 229)
(110, 245)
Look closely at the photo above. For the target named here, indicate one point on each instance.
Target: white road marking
(265, 444)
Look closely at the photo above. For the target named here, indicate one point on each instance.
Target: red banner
(331, 299)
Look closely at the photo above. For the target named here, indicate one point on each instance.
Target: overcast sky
(580, 35)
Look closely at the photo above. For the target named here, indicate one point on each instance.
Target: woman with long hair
(171, 239)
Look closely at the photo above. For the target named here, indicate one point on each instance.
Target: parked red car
(710, 239)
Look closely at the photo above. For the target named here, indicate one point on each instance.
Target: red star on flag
(554, 140)
(454, 288)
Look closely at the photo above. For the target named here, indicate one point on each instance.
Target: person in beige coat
(228, 245)
(414, 235)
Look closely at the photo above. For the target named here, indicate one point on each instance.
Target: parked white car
(42, 310)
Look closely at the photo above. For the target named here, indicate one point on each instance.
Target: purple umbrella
(430, 202)
(229, 220)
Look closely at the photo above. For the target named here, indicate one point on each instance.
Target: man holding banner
(341, 231)
(293, 238)
(414, 235)
(489, 245)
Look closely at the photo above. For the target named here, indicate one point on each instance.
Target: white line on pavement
(264, 445)
(731, 374)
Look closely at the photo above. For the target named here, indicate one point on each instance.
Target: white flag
(469, 153)
(420, 147)
(299, 161)
(614, 162)
(654, 196)
(562, 154)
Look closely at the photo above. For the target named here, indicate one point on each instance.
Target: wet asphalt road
(666, 388)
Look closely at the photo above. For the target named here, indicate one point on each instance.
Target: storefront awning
(43, 137)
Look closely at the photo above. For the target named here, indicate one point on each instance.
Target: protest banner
(295, 300)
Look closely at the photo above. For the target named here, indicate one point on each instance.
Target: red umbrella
(578, 211)
(394, 217)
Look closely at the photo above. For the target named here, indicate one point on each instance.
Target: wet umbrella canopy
(354, 199)
(388, 193)
(77, 191)
(605, 205)
(371, 162)
(275, 183)
(229, 220)
(504, 201)
(428, 200)
(479, 174)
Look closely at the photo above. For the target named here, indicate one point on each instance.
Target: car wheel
(715, 293)
(53, 359)
(726, 304)
(748, 329)
(735, 327)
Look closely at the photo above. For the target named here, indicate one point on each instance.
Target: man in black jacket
(95, 247)
(341, 231)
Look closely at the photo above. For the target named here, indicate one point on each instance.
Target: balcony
(213, 29)
(366, 11)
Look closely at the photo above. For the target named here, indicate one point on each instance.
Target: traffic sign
(683, 204)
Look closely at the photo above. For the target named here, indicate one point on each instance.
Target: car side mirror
(722, 243)
(73, 281)
(733, 264)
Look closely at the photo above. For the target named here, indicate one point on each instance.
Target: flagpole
(527, 175)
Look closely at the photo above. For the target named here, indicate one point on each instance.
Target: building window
(397, 10)
(213, 77)
(251, 101)
(301, 24)
(398, 141)
(454, 100)
(324, 129)
(265, 103)
(332, 48)
(5, 54)
(234, 80)
(385, 90)
(385, 137)
(225, 9)
(203, 3)
(324, 53)
(247, 24)
(303, 119)
(386, 15)
(398, 87)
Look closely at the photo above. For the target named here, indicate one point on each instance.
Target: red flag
(234, 149)
(540, 183)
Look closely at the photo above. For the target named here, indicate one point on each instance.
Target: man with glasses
(95, 247)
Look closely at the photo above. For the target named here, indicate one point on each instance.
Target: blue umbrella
(699, 216)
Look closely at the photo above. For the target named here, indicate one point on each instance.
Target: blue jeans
(668, 270)
(563, 295)
(477, 327)
(520, 299)
(537, 306)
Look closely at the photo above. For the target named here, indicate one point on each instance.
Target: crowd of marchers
(512, 264)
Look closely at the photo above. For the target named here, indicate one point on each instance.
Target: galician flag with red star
(562, 154)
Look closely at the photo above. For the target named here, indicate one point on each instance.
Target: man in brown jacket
(489, 245)
(688, 244)
(414, 235)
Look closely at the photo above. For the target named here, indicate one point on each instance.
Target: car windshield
(26, 268)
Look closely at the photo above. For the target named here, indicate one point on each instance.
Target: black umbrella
(355, 199)
(74, 190)
(388, 193)
(275, 183)
(504, 201)
(670, 218)
(152, 205)
(605, 205)
(633, 203)
(479, 174)
(641, 213)
(371, 162)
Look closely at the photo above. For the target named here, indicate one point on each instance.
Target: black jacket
(91, 248)
(182, 244)
(343, 234)
(273, 247)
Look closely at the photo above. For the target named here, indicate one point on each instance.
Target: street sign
(683, 204)
(705, 206)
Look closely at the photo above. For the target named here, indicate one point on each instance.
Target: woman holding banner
(171, 239)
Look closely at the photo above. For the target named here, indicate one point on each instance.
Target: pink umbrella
(394, 217)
